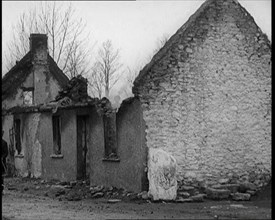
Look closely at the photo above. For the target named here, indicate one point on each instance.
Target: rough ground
(37, 199)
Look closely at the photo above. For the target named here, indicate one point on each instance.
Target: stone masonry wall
(207, 101)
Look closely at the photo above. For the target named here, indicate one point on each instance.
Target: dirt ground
(32, 199)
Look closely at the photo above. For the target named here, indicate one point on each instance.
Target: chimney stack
(38, 41)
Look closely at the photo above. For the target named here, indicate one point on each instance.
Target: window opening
(110, 140)
(28, 95)
(56, 122)
(17, 125)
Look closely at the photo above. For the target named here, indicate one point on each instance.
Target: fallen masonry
(78, 190)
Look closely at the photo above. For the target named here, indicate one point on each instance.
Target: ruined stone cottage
(206, 97)
(56, 131)
(34, 80)
(204, 101)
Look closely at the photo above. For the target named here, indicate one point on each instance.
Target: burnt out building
(204, 99)
(56, 131)
(35, 80)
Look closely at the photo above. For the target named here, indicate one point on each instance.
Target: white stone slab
(162, 175)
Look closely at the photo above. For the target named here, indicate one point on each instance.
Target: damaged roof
(18, 74)
(102, 106)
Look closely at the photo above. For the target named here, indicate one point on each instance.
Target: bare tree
(106, 71)
(96, 81)
(132, 73)
(66, 39)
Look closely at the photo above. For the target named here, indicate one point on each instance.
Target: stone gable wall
(207, 102)
(16, 98)
(45, 86)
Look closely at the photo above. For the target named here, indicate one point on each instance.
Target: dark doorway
(17, 125)
(81, 146)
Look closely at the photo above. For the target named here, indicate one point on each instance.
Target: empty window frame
(110, 140)
(28, 96)
(56, 123)
(17, 128)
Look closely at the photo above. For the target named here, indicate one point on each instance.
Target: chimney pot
(37, 41)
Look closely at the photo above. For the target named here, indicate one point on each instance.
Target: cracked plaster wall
(208, 100)
(45, 86)
(30, 163)
(60, 168)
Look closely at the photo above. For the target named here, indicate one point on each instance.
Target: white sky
(133, 26)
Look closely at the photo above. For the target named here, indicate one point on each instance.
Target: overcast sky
(133, 26)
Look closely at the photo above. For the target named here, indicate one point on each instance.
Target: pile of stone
(186, 192)
(104, 107)
(78, 190)
(241, 191)
(112, 193)
(76, 90)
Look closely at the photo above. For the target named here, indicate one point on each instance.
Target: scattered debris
(251, 192)
(247, 186)
(232, 187)
(216, 217)
(76, 89)
(182, 200)
(77, 190)
(73, 197)
(198, 198)
(143, 195)
(240, 196)
(184, 194)
(114, 200)
(237, 206)
(98, 195)
(187, 188)
(217, 194)
(224, 181)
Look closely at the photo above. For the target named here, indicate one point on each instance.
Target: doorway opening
(82, 147)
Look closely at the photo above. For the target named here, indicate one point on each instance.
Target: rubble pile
(237, 191)
(104, 107)
(78, 190)
(76, 90)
